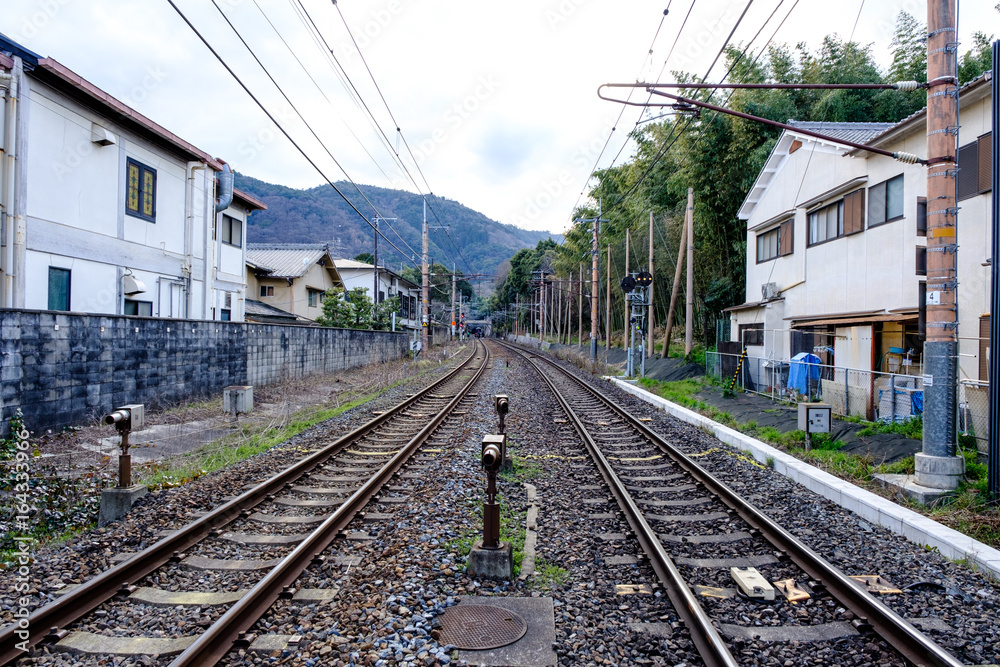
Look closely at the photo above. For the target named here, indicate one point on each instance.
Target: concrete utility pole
(375, 265)
(689, 312)
(628, 252)
(607, 308)
(993, 447)
(425, 302)
(939, 466)
(649, 316)
(595, 278)
(579, 312)
(454, 282)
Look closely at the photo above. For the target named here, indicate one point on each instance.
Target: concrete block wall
(276, 353)
(63, 369)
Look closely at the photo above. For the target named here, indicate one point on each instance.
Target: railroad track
(267, 536)
(698, 519)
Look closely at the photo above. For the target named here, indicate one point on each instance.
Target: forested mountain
(320, 215)
(720, 156)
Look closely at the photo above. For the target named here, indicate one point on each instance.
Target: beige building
(292, 277)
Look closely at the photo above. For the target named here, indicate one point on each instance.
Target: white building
(360, 274)
(836, 247)
(105, 211)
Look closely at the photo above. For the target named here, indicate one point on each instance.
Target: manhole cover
(476, 627)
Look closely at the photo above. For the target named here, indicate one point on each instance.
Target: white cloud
(498, 98)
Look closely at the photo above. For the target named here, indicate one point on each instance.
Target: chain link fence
(870, 395)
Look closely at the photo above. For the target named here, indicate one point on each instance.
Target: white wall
(76, 217)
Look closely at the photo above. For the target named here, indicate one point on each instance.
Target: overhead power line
(274, 120)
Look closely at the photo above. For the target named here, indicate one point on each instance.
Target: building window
(232, 231)
(752, 334)
(225, 315)
(767, 245)
(827, 223)
(267, 290)
(975, 170)
(143, 308)
(316, 298)
(58, 288)
(885, 201)
(775, 242)
(140, 195)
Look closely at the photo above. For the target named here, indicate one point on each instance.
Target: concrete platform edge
(915, 527)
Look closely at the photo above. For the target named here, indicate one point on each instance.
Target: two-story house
(293, 277)
(836, 247)
(106, 211)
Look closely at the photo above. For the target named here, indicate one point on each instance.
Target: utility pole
(595, 278)
(607, 308)
(425, 303)
(579, 313)
(628, 251)
(674, 289)
(454, 282)
(993, 447)
(938, 466)
(649, 317)
(689, 312)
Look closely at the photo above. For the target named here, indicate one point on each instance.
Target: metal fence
(871, 395)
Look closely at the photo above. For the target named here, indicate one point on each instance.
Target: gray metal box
(815, 417)
(137, 416)
(237, 399)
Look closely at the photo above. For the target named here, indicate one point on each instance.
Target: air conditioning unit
(769, 291)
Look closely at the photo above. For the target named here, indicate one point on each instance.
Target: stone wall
(63, 369)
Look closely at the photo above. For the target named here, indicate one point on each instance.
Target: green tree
(978, 59)
(382, 314)
(337, 311)
(365, 257)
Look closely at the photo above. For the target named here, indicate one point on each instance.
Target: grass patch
(249, 440)
(548, 575)
(912, 428)
(522, 470)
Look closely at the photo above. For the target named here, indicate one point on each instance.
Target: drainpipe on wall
(8, 84)
(188, 233)
(17, 200)
(223, 199)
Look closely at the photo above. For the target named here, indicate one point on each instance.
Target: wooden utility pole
(938, 466)
(607, 300)
(674, 289)
(649, 315)
(454, 283)
(689, 312)
(425, 301)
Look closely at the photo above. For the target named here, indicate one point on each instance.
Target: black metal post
(993, 460)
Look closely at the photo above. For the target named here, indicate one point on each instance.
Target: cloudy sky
(496, 101)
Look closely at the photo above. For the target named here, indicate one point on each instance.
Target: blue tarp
(803, 372)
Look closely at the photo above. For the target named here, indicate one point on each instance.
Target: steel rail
(219, 638)
(706, 638)
(896, 630)
(89, 595)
